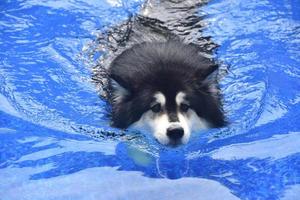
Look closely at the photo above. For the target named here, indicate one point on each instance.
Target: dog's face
(171, 119)
(166, 89)
(170, 115)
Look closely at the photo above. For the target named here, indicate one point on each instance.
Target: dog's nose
(175, 133)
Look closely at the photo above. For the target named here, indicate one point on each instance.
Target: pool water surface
(55, 138)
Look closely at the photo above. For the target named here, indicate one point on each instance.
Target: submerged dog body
(166, 88)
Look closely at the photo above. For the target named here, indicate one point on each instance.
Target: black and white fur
(168, 89)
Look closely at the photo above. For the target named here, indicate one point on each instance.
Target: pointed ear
(203, 73)
(118, 92)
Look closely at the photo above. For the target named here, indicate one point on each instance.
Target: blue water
(55, 138)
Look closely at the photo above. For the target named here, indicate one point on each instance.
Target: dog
(159, 81)
(166, 89)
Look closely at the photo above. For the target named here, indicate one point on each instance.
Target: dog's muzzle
(175, 133)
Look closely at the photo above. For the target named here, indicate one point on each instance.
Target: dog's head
(169, 97)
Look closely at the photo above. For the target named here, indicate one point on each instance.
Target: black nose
(175, 133)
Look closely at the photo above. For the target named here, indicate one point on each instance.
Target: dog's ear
(206, 79)
(204, 73)
(119, 91)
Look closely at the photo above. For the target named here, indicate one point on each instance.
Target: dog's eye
(184, 107)
(156, 108)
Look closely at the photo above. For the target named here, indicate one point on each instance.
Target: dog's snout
(175, 133)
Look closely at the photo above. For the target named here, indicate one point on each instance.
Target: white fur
(159, 123)
(160, 98)
(154, 124)
(180, 98)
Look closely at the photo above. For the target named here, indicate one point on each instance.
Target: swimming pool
(56, 142)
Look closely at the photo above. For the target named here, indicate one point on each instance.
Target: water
(56, 142)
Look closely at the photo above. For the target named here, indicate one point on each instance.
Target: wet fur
(169, 67)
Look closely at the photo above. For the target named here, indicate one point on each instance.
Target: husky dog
(166, 89)
(166, 86)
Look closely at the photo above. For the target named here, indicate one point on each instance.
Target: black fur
(168, 67)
